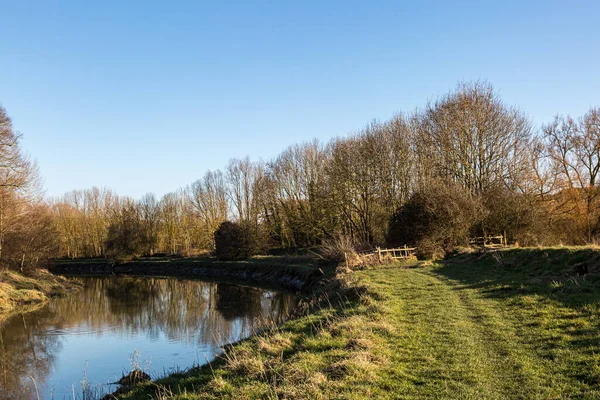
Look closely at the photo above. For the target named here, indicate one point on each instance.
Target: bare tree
(574, 150)
(246, 190)
(19, 180)
(150, 217)
(66, 220)
(472, 138)
(170, 219)
(296, 195)
(244, 178)
(35, 239)
(125, 237)
(369, 177)
(209, 199)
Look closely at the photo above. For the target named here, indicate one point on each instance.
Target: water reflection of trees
(26, 351)
(196, 313)
(234, 301)
(180, 310)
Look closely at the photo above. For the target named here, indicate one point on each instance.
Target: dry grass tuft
(383, 327)
(352, 327)
(318, 379)
(339, 249)
(274, 344)
(337, 370)
(218, 384)
(244, 362)
(359, 344)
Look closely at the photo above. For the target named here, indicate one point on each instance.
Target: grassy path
(451, 341)
(475, 328)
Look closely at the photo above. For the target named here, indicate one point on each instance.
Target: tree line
(466, 164)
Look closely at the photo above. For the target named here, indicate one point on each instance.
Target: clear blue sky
(146, 96)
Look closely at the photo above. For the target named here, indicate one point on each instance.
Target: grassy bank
(519, 323)
(19, 292)
(295, 273)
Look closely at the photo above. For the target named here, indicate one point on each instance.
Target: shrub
(125, 239)
(29, 243)
(435, 219)
(231, 242)
(430, 250)
(515, 215)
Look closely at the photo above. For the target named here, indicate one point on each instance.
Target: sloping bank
(21, 293)
(281, 272)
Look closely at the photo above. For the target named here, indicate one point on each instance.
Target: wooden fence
(400, 253)
(489, 241)
(397, 254)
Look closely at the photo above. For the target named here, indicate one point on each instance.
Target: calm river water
(94, 336)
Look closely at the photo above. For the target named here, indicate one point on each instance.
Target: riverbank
(301, 274)
(518, 323)
(19, 292)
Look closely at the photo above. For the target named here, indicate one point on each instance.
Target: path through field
(484, 338)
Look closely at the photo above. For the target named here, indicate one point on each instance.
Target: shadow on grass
(568, 275)
(550, 296)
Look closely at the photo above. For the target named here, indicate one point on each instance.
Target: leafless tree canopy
(26, 229)
(468, 147)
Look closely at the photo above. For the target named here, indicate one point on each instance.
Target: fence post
(379, 253)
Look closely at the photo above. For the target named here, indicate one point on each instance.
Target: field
(520, 323)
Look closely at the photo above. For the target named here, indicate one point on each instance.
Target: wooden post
(379, 253)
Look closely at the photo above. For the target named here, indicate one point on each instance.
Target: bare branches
(473, 139)
(209, 198)
(574, 154)
(468, 141)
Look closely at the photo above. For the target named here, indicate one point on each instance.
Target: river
(89, 339)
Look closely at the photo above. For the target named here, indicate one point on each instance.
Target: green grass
(508, 325)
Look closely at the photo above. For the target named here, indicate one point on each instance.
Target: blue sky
(146, 96)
